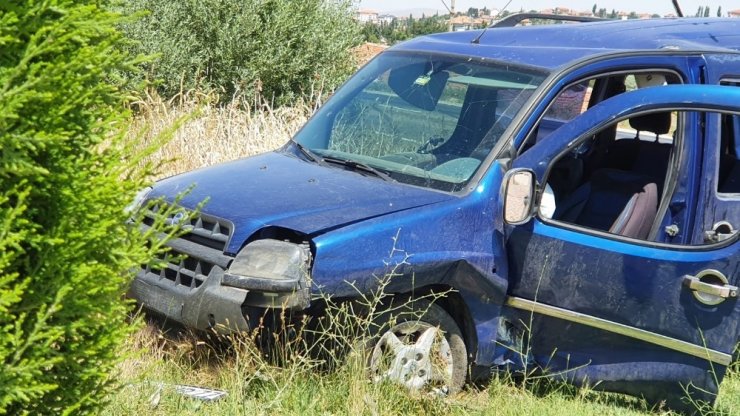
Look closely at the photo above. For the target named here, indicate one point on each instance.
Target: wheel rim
(415, 355)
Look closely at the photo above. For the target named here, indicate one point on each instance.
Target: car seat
(637, 155)
(620, 202)
(477, 116)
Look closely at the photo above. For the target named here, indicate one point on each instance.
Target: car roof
(555, 45)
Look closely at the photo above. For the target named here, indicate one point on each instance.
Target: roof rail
(514, 19)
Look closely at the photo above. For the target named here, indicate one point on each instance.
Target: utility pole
(450, 9)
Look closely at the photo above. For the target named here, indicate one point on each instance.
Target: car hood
(277, 189)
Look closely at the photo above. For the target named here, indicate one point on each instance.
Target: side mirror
(518, 196)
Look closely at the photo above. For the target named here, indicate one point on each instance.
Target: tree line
(400, 29)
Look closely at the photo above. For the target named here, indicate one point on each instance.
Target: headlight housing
(270, 265)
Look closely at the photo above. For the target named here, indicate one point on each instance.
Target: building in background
(367, 16)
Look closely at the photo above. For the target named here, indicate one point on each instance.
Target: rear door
(718, 216)
(630, 314)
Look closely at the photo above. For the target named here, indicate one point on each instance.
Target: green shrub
(66, 254)
(277, 49)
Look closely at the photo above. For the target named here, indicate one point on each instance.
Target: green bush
(276, 49)
(66, 254)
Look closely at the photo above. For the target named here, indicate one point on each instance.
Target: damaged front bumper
(197, 285)
(210, 306)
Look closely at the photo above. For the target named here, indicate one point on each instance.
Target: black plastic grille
(208, 231)
(181, 269)
(195, 253)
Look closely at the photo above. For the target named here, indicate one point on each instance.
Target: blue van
(563, 197)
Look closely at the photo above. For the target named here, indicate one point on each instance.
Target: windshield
(423, 119)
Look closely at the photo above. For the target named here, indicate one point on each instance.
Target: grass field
(155, 363)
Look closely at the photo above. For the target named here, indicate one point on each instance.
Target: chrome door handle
(722, 291)
(710, 287)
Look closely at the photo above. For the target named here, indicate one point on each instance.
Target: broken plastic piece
(200, 393)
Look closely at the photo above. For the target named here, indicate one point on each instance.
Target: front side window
(578, 97)
(571, 102)
(613, 183)
(425, 120)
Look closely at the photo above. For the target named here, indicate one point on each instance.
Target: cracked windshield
(425, 120)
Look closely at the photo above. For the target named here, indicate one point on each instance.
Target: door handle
(710, 287)
(720, 231)
(726, 291)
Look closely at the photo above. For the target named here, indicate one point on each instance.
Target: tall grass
(159, 359)
(207, 133)
(257, 387)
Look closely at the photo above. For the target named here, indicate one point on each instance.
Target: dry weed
(206, 134)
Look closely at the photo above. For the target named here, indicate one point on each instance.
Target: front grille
(201, 229)
(194, 253)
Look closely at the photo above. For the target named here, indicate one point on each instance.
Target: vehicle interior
(614, 181)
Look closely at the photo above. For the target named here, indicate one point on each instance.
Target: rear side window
(720, 207)
(728, 179)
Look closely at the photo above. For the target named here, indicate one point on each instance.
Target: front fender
(449, 244)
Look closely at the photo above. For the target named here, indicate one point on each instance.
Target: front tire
(420, 347)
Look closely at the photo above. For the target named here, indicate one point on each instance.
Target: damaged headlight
(270, 265)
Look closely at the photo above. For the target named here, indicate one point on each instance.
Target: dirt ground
(367, 51)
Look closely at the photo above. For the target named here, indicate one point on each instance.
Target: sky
(662, 7)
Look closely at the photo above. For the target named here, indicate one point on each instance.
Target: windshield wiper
(313, 157)
(358, 166)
